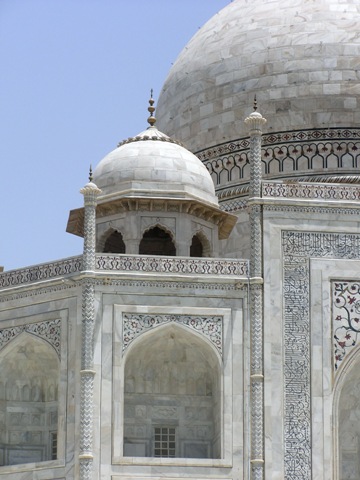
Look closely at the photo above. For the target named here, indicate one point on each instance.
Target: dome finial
(255, 103)
(151, 109)
(90, 174)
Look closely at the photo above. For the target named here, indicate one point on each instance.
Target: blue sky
(75, 78)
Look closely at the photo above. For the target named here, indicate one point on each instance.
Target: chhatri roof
(151, 164)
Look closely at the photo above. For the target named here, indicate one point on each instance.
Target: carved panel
(178, 265)
(49, 331)
(40, 272)
(209, 326)
(311, 191)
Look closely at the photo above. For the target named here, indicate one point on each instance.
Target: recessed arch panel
(172, 395)
(29, 376)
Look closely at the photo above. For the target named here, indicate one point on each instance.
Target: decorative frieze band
(175, 265)
(41, 272)
(178, 265)
(278, 138)
(316, 191)
(286, 153)
(210, 326)
(49, 331)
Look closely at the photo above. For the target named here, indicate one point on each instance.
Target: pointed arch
(29, 370)
(172, 392)
(157, 240)
(200, 245)
(112, 242)
(346, 415)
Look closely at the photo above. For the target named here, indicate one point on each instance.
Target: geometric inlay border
(298, 248)
(49, 331)
(211, 326)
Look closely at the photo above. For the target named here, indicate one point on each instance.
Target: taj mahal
(210, 329)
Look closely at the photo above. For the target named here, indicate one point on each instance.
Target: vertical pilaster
(255, 122)
(87, 373)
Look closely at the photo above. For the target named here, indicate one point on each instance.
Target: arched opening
(348, 422)
(28, 401)
(196, 247)
(172, 396)
(157, 241)
(200, 246)
(114, 243)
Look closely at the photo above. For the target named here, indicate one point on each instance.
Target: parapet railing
(172, 265)
(126, 264)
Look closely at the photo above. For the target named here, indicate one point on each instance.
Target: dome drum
(304, 70)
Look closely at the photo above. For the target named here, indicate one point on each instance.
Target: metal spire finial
(255, 103)
(90, 174)
(151, 109)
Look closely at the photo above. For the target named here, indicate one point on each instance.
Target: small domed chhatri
(149, 173)
(153, 164)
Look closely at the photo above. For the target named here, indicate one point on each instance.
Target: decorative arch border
(105, 235)
(161, 226)
(114, 315)
(298, 247)
(50, 331)
(209, 326)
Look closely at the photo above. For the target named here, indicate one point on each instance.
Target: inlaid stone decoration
(49, 331)
(210, 326)
(298, 248)
(178, 265)
(346, 318)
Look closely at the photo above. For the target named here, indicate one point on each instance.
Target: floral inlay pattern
(209, 326)
(346, 318)
(48, 331)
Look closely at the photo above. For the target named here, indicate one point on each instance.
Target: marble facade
(239, 362)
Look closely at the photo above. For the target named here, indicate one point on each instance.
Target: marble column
(255, 122)
(90, 193)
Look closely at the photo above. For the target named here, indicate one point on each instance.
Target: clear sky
(75, 79)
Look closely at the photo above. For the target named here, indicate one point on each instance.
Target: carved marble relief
(209, 326)
(298, 248)
(49, 331)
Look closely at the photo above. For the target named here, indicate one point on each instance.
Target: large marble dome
(301, 58)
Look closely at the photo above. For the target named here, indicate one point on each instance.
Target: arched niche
(157, 241)
(347, 415)
(172, 397)
(200, 246)
(113, 242)
(29, 376)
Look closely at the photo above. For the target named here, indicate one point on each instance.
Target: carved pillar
(255, 122)
(90, 192)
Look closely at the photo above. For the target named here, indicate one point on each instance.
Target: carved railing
(171, 265)
(126, 263)
(44, 271)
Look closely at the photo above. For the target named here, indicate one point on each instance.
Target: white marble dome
(153, 165)
(300, 57)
